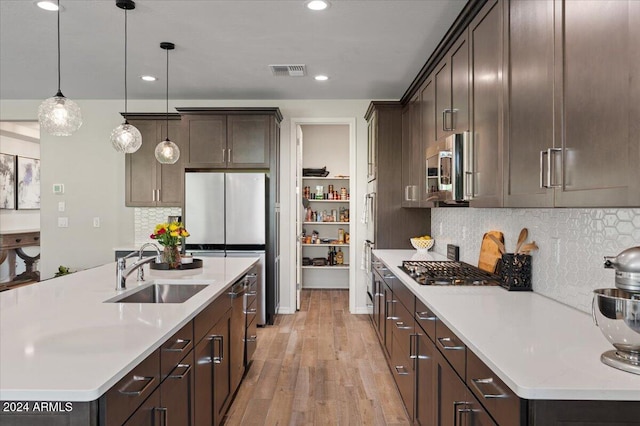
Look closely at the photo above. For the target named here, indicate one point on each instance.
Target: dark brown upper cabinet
(573, 104)
(228, 138)
(147, 182)
(485, 43)
(452, 90)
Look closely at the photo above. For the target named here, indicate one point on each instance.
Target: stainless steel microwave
(448, 169)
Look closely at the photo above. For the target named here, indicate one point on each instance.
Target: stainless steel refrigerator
(225, 213)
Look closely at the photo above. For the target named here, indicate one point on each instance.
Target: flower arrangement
(169, 234)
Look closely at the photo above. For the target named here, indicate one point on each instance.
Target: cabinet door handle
(542, 154)
(406, 193)
(136, 379)
(220, 340)
(551, 169)
(229, 155)
(388, 313)
(413, 346)
(401, 370)
(426, 316)
(458, 412)
(158, 197)
(444, 121)
(185, 344)
(252, 338)
(163, 411)
(153, 195)
(488, 382)
(224, 151)
(448, 344)
(182, 375)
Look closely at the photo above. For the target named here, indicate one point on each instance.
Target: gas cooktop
(448, 272)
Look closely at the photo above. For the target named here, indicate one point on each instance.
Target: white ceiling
(371, 49)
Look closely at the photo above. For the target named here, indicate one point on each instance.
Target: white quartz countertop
(60, 341)
(540, 348)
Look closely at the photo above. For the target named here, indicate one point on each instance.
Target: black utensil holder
(515, 272)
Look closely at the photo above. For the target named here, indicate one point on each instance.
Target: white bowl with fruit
(423, 243)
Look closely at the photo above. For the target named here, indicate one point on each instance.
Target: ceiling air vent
(288, 70)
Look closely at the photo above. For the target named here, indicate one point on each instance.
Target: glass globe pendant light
(58, 115)
(126, 138)
(167, 152)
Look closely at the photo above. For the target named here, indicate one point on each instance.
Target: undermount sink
(161, 293)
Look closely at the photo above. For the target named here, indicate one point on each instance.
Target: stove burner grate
(448, 273)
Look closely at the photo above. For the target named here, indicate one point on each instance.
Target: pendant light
(167, 152)
(126, 138)
(58, 115)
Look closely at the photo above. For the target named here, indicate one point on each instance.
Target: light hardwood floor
(320, 366)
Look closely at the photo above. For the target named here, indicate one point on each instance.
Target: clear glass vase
(171, 256)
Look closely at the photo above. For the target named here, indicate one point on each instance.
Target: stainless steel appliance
(617, 311)
(449, 171)
(448, 272)
(225, 214)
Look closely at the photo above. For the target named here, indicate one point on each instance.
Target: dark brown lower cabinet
(149, 413)
(389, 309)
(455, 403)
(177, 393)
(425, 408)
(212, 380)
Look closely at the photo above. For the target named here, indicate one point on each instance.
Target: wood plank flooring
(320, 366)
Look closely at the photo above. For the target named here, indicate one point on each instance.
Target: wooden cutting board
(489, 252)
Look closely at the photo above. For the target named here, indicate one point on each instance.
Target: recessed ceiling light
(321, 77)
(148, 78)
(317, 4)
(48, 5)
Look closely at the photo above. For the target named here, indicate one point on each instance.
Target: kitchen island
(545, 352)
(61, 340)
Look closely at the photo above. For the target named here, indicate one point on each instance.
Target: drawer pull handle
(18, 240)
(426, 316)
(251, 311)
(448, 344)
(488, 382)
(458, 412)
(148, 380)
(401, 370)
(389, 277)
(251, 339)
(401, 326)
(186, 367)
(173, 348)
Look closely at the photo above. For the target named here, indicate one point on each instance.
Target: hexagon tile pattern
(146, 219)
(569, 264)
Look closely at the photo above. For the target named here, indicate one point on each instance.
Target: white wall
(573, 242)
(93, 174)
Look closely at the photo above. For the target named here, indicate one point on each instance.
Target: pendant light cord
(167, 94)
(59, 91)
(125, 66)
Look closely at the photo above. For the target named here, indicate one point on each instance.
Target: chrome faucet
(122, 271)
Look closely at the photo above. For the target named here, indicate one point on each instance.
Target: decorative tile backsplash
(568, 265)
(146, 219)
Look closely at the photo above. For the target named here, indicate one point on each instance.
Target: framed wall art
(28, 183)
(7, 181)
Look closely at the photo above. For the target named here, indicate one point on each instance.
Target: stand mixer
(617, 311)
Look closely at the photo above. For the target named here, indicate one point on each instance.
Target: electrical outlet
(96, 222)
(63, 222)
(61, 206)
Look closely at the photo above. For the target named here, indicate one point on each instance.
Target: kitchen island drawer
(426, 318)
(175, 349)
(210, 315)
(451, 347)
(504, 406)
(119, 402)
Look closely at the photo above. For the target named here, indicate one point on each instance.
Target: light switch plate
(63, 222)
(96, 222)
(61, 206)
